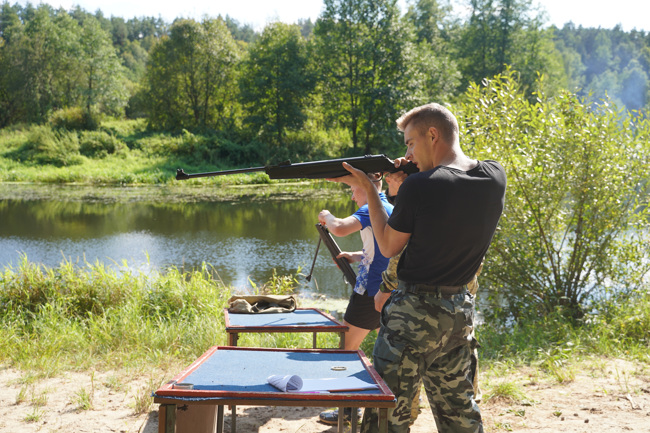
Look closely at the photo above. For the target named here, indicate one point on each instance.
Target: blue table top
(298, 318)
(248, 370)
(234, 374)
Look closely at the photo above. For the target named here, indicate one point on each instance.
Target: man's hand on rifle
(356, 178)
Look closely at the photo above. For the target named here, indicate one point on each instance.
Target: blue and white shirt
(373, 263)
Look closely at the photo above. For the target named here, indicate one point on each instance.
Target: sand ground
(608, 395)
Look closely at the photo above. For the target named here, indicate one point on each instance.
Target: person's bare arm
(351, 257)
(339, 226)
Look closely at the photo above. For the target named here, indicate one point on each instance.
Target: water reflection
(241, 240)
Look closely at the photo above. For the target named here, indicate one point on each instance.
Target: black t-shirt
(452, 216)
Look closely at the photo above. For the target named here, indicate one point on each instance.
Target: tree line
(573, 239)
(347, 75)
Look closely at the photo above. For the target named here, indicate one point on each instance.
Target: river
(242, 239)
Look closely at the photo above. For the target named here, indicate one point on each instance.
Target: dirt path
(606, 396)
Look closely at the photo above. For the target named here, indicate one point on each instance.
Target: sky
(630, 14)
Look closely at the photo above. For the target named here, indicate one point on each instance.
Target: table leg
(167, 418)
(341, 420)
(354, 420)
(233, 419)
(341, 340)
(232, 338)
(315, 340)
(220, 419)
(383, 420)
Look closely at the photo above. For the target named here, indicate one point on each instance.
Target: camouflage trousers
(429, 337)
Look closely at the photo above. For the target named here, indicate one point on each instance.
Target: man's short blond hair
(428, 115)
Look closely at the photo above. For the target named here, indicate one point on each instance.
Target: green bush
(187, 145)
(625, 321)
(81, 316)
(123, 128)
(99, 144)
(576, 219)
(33, 287)
(237, 154)
(311, 145)
(74, 118)
(45, 146)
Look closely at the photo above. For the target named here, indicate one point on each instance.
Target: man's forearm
(378, 215)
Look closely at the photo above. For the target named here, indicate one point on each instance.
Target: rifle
(325, 236)
(316, 169)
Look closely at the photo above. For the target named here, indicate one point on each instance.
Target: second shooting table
(309, 320)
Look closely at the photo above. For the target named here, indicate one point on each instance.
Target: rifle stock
(325, 236)
(314, 170)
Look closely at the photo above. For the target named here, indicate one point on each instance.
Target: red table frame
(169, 398)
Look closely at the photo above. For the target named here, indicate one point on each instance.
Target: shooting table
(301, 320)
(233, 376)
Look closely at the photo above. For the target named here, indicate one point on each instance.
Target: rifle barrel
(181, 175)
(315, 169)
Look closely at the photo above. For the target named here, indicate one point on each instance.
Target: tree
(634, 86)
(363, 52)
(504, 34)
(102, 76)
(52, 62)
(602, 58)
(478, 43)
(36, 52)
(239, 32)
(606, 85)
(189, 80)
(427, 18)
(276, 81)
(575, 227)
(574, 69)
(119, 32)
(608, 63)
(9, 20)
(436, 76)
(10, 102)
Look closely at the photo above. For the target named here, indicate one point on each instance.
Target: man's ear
(433, 133)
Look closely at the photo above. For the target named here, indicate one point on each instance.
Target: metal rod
(311, 271)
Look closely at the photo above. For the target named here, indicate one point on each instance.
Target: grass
(79, 317)
(505, 391)
(142, 401)
(76, 318)
(39, 400)
(554, 343)
(124, 152)
(114, 383)
(34, 416)
(83, 400)
(91, 318)
(21, 397)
